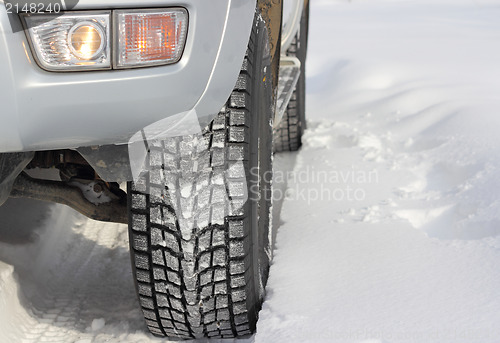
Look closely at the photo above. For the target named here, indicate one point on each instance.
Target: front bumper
(41, 110)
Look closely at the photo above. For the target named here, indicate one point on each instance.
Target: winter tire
(288, 134)
(201, 263)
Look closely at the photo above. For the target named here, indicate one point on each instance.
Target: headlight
(86, 40)
(150, 37)
(82, 40)
(72, 41)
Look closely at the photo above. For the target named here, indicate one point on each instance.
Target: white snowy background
(390, 226)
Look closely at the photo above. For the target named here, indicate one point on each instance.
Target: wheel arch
(272, 14)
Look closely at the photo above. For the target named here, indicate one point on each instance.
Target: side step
(289, 75)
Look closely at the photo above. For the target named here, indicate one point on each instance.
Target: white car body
(43, 110)
(46, 110)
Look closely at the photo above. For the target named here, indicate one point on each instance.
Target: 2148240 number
(33, 8)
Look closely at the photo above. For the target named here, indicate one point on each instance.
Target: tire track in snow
(73, 283)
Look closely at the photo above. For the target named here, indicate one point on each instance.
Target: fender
(272, 14)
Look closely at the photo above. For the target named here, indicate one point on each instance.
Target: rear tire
(200, 251)
(288, 135)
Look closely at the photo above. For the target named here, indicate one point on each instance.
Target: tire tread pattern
(288, 135)
(193, 283)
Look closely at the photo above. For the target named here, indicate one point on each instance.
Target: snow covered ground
(390, 226)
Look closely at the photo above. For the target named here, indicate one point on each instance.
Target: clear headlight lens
(73, 41)
(86, 40)
(150, 37)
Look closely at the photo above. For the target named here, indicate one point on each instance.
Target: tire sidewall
(260, 175)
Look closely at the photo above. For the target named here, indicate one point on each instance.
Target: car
(163, 115)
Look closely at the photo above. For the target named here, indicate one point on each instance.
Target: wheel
(288, 134)
(199, 215)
